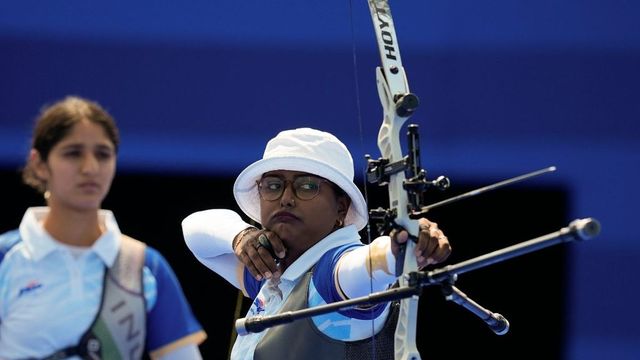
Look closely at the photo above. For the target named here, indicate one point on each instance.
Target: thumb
(400, 237)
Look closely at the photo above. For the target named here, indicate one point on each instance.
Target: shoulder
(154, 260)
(323, 271)
(160, 269)
(329, 260)
(160, 281)
(155, 267)
(7, 241)
(9, 238)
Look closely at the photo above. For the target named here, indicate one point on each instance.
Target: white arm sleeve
(209, 234)
(366, 269)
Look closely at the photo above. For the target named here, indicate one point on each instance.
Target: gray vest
(301, 339)
(119, 330)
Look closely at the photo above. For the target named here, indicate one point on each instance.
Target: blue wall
(506, 87)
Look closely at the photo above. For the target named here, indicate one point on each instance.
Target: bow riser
(392, 88)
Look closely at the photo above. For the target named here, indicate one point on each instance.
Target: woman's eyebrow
(72, 146)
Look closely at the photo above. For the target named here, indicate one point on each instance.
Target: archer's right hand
(252, 249)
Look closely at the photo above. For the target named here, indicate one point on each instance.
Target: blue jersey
(270, 295)
(49, 298)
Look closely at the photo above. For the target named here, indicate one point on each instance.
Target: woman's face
(80, 168)
(302, 223)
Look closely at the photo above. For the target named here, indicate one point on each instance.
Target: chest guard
(301, 339)
(119, 329)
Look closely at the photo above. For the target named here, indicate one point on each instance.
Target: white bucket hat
(306, 150)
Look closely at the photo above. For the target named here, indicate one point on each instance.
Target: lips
(89, 186)
(284, 216)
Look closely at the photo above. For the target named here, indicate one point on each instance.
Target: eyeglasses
(304, 187)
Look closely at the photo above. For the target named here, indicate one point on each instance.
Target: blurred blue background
(506, 87)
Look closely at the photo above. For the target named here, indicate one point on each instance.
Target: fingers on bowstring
(277, 247)
(258, 259)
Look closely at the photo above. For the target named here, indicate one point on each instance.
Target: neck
(77, 228)
(293, 252)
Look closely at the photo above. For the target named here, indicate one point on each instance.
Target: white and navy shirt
(50, 293)
(269, 296)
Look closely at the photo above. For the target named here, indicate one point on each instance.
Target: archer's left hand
(432, 246)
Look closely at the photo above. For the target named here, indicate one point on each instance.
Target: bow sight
(415, 183)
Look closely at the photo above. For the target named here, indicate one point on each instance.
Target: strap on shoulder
(130, 260)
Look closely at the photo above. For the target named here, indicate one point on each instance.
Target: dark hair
(56, 121)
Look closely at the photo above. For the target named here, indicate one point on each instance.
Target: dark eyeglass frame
(285, 184)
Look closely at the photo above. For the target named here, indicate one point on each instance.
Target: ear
(38, 165)
(343, 205)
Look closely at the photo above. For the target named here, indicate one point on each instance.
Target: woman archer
(308, 251)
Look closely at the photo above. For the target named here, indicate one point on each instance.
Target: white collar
(346, 235)
(39, 243)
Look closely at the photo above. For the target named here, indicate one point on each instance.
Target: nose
(90, 164)
(288, 195)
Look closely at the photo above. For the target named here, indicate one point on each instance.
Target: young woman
(71, 284)
(302, 192)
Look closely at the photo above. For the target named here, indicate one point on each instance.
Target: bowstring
(362, 146)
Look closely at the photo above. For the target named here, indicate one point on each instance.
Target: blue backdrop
(506, 87)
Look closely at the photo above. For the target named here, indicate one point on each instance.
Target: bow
(393, 168)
